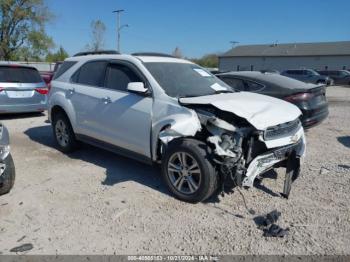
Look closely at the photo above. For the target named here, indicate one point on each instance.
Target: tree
(60, 55)
(210, 61)
(98, 29)
(22, 29)
(177, 52)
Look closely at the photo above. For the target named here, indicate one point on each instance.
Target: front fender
(170, 121)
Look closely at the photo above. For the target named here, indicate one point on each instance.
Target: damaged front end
(241, 152)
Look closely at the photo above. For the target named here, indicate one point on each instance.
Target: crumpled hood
(260, 110)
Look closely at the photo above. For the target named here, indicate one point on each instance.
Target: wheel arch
(58, 103)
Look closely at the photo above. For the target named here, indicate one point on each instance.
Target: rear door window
(119, 76)
(91, 73)
(18, 74)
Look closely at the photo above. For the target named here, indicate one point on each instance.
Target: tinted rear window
(11, 74)
(62, 68)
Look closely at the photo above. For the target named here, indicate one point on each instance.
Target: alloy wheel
(62, 133)
(184, 173)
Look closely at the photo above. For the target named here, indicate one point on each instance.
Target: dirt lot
(95, 202)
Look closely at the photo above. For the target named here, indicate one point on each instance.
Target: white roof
(145, 59)
(162, 59)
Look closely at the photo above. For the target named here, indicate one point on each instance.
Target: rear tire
(7, 179)
(188, 171)
(63, 133)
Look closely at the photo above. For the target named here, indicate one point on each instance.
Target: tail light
(42, 91)
(299, 97)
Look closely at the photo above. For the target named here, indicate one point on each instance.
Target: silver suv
(308, 76)
(160, 109)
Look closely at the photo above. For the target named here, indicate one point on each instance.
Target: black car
(310, 98)
(340, 77)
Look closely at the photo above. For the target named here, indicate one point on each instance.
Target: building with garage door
(319, 56)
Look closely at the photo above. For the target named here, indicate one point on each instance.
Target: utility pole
(119, 27)
(233, 43)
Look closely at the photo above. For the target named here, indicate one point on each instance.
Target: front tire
(188, 171)
(7, 175)
(64, 134)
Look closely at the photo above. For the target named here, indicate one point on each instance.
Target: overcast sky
(199, 27)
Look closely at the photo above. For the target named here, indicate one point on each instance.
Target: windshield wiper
(223, 91)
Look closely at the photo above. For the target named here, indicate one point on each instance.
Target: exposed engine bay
(241, 152)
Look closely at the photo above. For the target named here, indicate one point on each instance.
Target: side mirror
(137, 87)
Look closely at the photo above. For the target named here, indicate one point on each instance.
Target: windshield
(185, 80)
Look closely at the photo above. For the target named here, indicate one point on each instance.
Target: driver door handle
(106, 100)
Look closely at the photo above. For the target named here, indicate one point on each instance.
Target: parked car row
(327, 77)
(339, 77)
(308, 76)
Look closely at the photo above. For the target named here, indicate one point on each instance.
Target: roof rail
(101, 52)
(152, 54)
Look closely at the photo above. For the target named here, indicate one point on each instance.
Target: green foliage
(210, 60)
(60, 55)
(22, 29)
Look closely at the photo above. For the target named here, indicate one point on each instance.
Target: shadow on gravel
(344, 140)
(20, 116)
(118, 169)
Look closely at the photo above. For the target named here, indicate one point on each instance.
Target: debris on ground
(324, 171)
(268, 225)
(22, 248)
(19, 240)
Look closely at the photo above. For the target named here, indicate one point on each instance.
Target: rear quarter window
(62, 68)
(18, 74)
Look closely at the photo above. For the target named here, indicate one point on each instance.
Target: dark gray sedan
(310, 98)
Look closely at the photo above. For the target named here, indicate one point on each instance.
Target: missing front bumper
(261, 164)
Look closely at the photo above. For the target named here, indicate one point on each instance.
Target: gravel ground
(95, 202)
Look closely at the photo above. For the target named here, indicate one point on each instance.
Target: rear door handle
(106, 100)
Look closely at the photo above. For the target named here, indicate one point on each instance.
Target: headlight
(4, 152)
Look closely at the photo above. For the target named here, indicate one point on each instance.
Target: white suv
(160, 109)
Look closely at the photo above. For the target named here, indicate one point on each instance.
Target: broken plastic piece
(275, 231)
(22, 248)
(216, 140)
